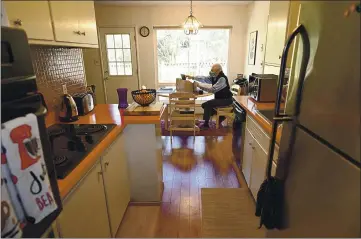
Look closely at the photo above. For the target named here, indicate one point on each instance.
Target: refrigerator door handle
(284, 117)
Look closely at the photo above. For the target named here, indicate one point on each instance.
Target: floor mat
(229, 212)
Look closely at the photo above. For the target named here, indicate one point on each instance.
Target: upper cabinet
(64, 23)
(276, 32)
(74, 21)
(32, 16)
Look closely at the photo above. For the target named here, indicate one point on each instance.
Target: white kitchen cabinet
(85, 211)
(32, 16)
(259, 163)
(276, 32)
(74, 21)
(247, 157)
(115, 173)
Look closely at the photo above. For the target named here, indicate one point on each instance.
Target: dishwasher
(238, 131)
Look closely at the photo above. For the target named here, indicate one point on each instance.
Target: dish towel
(12, 216)
(26, 164)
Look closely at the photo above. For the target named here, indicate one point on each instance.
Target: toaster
(84, 102)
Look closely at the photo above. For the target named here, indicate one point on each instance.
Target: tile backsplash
(56, 66)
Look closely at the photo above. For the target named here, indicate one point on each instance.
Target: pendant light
(191, 24)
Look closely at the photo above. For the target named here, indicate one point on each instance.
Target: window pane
(192, 55)
(118, 41)
(126, 41)
(120, 67)
(110, 41)
(127, 56)
(128, 68)
(119, 54)
(111, 55)
(112, 69)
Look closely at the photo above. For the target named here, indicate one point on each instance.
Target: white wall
(174, 15)
(257, 14)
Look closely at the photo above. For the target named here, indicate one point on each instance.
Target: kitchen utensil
(84, 102)
(144, 97)
(68, 110)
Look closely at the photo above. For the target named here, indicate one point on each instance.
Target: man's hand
(190, 77)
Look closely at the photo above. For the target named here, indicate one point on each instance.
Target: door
(120, 69)
(276, 33)
(116, 180)
(32, 16)
(322, 192)
(330, 104)
(87, 23)
(259, 164)
(247, 156)
(66, 20)
(85, 210)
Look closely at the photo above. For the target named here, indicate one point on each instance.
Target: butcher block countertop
(102, 114)
(251, 106)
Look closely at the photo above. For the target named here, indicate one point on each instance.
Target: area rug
(212, 131)
(229, 212)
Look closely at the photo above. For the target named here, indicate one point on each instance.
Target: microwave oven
(263, 87)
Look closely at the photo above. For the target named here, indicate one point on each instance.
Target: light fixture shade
(191, 25)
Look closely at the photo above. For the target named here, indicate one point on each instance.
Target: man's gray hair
(219, 67)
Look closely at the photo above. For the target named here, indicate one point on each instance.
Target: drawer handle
(99, 175)
(77, 32)
(83, 33)
(18, 22)
(106, 165)
(253, 147)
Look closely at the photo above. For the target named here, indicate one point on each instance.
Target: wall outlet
(65, 90)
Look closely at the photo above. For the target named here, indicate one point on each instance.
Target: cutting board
(135, 109)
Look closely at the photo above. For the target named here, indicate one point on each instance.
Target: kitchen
(122, 166)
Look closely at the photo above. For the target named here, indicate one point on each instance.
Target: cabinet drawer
(261, 137)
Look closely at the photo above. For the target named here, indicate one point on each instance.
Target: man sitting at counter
(217, 83)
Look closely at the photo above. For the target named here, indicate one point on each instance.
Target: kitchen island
(124, 167)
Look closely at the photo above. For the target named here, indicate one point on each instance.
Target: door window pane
(112, 69)
(120, 67)
(118, 41)
(126, 41)
(127, 56)
(119, 54)
(110, 41)
(128, 68)
(111, 55)
(179, 53)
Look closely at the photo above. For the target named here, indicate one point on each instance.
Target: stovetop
(71, 143)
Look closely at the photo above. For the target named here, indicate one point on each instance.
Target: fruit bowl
(144, 97)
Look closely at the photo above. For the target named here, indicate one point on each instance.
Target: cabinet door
(259, 163)
(87, 23)
(32, 16)
(247, 156)
(66, 20)
(115, 170)
(276, 33)
(85, 211)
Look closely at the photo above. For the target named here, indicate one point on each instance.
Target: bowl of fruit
(144, 97)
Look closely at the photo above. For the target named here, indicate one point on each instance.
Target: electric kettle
(68, 110)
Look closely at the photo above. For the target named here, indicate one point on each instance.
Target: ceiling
(170, 2)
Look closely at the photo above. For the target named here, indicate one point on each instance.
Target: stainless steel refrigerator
(320, 144)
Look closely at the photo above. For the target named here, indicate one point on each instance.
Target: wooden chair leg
(217, 121)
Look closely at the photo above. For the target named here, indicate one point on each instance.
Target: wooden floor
(189, 165)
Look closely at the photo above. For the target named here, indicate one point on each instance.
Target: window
(119, 54)
(190, 54)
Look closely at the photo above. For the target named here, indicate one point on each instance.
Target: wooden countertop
(102, 114)
(251, 106)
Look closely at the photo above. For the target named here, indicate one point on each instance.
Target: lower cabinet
(95, 208)
(116, 183)
(259, 165)
(85, 211)
(247, 157)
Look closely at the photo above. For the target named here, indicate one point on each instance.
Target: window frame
(155, 28)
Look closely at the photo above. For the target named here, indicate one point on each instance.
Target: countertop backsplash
(56, 66)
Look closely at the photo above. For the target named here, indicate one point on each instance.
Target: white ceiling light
(191, 24)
